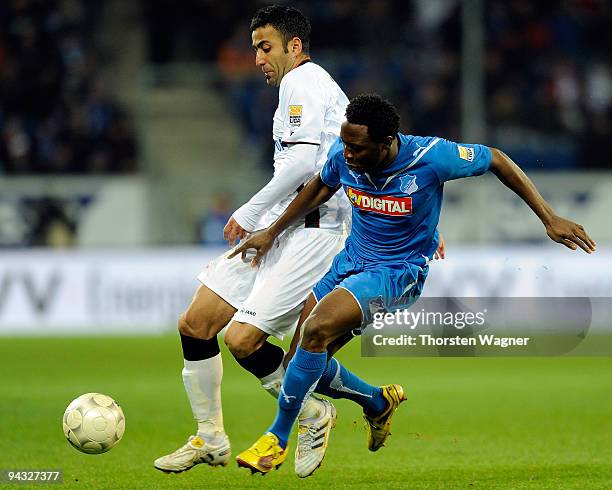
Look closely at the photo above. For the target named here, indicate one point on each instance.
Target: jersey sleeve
(452, 160)
(299, 167)
(303, 111)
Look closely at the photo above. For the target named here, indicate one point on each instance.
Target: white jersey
(307, 121)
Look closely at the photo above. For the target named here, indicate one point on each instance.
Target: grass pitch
(468, 423)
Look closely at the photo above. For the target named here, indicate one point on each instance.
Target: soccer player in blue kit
(394, 183)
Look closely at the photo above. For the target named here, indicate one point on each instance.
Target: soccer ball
(93, 423)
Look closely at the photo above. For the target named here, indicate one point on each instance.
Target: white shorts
(271, 296)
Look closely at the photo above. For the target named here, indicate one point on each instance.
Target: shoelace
(307, 439)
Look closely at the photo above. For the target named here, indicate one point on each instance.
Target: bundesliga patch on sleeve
(466, 153)
(295, 115)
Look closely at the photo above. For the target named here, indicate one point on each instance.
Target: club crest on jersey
(466, 153)
(389, 205)
(295, 115)
(408, 184)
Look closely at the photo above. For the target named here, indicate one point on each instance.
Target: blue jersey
(396, 211)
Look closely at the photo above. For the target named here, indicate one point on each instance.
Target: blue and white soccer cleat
(313, 438)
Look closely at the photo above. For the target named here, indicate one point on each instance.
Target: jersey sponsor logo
(389, 205)
(295, 115)
(466, 153)
(408, 184)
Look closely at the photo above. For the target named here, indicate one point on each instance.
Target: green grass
(469, 423)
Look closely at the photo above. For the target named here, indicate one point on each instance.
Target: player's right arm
(315, 193)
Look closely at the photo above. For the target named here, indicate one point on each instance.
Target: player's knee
(198, 328)
(316, 333)
(240, 341)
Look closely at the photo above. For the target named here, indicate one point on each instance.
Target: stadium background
(129, 132)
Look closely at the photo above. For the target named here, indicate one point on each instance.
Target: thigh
(343, 266)
(336, 315)
(230, 279)
(206, 315)
(285, 279)
(384, 288)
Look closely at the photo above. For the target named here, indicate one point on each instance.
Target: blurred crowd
(56, 112)
(548, 74)
(548, 69)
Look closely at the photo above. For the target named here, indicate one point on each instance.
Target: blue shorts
(377, 287)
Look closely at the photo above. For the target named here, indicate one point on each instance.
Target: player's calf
(202, 372)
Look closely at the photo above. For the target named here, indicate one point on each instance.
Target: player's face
(270, 54)
(361, 153)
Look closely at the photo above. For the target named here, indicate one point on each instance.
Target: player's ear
(295, 46)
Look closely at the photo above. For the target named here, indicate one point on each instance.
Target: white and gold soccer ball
(93, 423)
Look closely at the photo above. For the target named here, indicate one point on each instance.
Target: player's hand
(261, 241)
(570, 234)
(441, 250)
(233, 232)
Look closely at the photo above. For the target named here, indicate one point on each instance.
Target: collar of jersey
(396, 164)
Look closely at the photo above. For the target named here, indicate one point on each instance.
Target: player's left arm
(303, 108)
(559, 229)
(298, 166)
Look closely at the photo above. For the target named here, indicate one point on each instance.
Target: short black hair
(289, 21)
(378, 114)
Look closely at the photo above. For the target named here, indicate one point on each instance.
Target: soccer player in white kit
(264, 301)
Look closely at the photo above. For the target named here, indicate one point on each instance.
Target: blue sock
(338, 382)
(302, 374)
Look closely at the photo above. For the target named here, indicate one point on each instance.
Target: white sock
(202, 380)
(273, 381)
(272, 384)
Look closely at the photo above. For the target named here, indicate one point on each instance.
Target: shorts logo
(248, 312)
(466, 153)
(389, 205)
(295, 115)
(377, 305)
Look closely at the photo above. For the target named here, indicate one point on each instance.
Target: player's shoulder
(308, 75)
(429, 148)
(445, 150)
(415, 147)
(412, 141)
(336, 150)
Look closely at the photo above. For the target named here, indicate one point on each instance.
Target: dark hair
(378, 114)
(289, 21)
